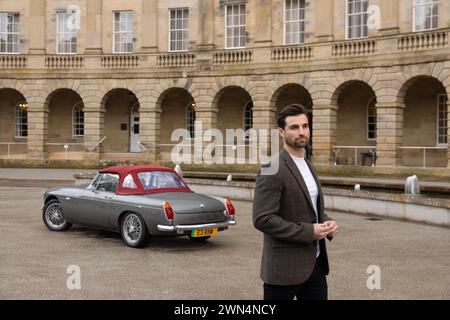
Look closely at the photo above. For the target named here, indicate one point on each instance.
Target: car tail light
(230, 208)
(168, 210)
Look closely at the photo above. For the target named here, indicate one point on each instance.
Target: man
(289, 209)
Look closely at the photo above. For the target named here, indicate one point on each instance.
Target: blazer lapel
(301, 182)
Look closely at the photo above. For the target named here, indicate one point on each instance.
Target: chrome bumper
(188, 227)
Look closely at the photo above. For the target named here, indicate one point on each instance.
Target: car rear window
(153, 180)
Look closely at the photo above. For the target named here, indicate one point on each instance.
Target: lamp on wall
(23, 106)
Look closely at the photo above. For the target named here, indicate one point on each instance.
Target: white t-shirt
(311, 184)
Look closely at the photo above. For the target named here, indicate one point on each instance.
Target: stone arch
(347, 77)
(18, 86)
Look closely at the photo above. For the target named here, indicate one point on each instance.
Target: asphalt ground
(413, 259)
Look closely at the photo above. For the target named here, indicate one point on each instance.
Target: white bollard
(412, 185)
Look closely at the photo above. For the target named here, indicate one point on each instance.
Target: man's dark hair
(293, 110)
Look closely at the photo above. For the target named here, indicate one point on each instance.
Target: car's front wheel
(133, 230)
(53, 216)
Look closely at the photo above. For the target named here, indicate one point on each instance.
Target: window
(248, 119)
(190, 119)
(108, 182)
(442, 119)
(372, 119)
(153, 180)
(357, 18)
(66, 35)
(425, 15)
(21, 120)
(9, 32)
(128, 182)
(235, 34)
(294, 21)
(179, 29)
(123, 32)
(78, 120)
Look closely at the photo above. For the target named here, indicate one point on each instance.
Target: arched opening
(122, 124)
(178, 111)
(235, 112)
(65, 135)
(425, 123)
(13, 124)
(356, 128)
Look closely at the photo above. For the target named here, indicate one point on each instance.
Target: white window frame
(244, 118)
(14, 35)
(347, 15)
(58, 33)
(184, 42)
(18, 129)
(426, 4)
(369, 123)
(445, 104)
(227, 7)
(76, 121)
(300, 21)
(122, 32)
(189, 123)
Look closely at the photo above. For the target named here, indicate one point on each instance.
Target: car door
(95, 204)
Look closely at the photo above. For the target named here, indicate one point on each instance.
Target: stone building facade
(120, 84)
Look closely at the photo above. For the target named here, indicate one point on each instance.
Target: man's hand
(334, 228)
(321, 230)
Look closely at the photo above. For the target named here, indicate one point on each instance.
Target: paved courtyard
(414, 259)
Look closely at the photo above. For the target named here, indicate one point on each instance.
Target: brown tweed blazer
(283, 211)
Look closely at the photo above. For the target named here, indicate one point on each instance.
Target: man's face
(296, 133)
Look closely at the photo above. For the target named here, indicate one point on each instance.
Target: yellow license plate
(204, 233)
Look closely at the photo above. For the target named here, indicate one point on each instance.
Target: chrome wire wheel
(132, 228)
(54, 216)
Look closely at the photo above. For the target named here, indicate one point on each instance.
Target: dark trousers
(315, 288)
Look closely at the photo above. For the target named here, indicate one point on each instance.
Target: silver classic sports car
(138, 202)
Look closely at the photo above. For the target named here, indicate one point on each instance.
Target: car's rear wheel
(199, 239)
(53, 216)
(133, 230)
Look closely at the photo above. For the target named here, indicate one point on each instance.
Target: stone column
(263, 36)
(37, 131)
(324, 20)
(37, 27)
(264, 117)
(150, 123)
(94, 27)
(389, 17)
(389, 133)
(149, 25)
(324, 131)
(448, 129)
(94, 125)
(206, 115)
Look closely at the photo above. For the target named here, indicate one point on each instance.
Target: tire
(134, 231)
(53, 216)
(199, 239)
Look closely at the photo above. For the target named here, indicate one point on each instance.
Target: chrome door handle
(67, 198)
(108, 197)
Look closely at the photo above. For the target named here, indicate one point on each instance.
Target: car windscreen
(154, 180)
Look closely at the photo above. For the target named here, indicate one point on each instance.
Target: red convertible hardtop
(124, 171)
